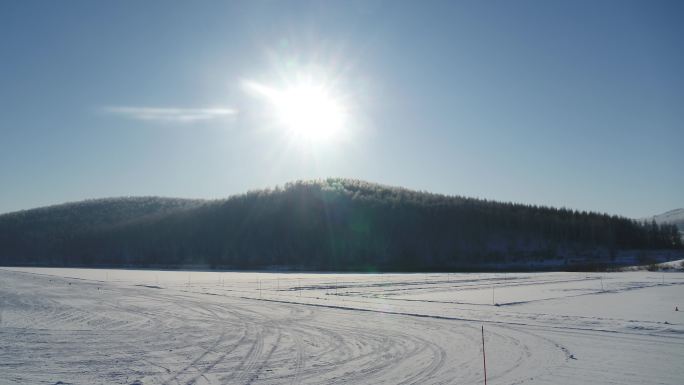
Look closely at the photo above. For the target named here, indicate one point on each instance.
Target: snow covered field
(94, 326)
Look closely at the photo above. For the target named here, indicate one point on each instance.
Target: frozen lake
(107, 326)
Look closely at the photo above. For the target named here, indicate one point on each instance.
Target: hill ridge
(332, 223)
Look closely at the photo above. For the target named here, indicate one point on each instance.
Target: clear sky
(564, 103)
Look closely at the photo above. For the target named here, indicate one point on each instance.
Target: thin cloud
(171, 115)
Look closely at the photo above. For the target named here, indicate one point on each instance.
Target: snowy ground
(86, 326)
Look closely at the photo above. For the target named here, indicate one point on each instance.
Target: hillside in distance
(673, 217)
(332, 224)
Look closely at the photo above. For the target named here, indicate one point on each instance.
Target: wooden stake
(484, 357)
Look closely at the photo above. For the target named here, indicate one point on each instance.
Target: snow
(676, 265)
(96, 326)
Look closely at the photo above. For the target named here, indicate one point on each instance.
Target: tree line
(331, 224)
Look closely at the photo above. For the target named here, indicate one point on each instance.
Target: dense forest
(332, 224)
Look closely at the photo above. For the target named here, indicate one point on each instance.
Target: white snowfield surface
(93, 326)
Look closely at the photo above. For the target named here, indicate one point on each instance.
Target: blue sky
(577, 104)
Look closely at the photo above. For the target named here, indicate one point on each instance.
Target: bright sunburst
(308, 109)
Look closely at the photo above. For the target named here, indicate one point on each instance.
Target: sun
(308, 110)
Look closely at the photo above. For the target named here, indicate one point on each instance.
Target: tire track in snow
(146, 333)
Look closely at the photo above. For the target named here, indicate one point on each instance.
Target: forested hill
(333, 224)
